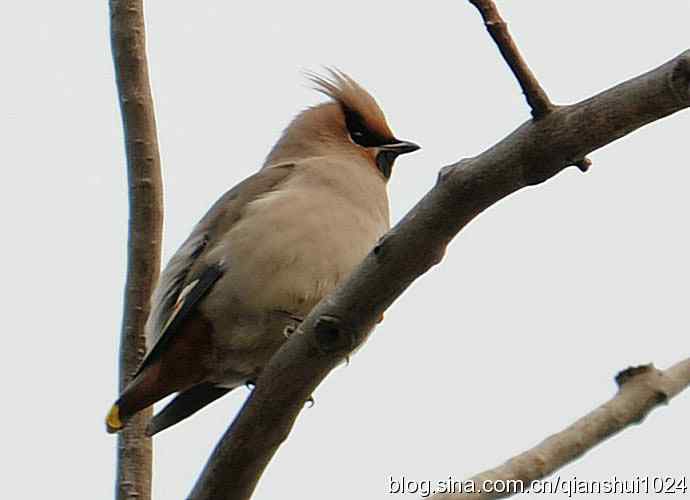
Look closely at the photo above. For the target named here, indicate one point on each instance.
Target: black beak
(389, 152)
(400, 147)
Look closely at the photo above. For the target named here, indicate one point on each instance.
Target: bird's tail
(143, 391)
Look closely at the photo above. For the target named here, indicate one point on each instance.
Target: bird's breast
(308, 246)
(294, 245)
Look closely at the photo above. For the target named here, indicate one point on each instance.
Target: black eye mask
(360, 133)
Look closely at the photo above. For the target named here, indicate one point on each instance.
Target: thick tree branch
(533, 153)
(145, 226)
(498, 29)
(640, 390)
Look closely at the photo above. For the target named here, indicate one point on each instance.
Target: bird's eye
(359, 132)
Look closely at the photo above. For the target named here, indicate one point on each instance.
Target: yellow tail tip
(112, 421)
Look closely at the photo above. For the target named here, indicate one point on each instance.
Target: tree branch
(533, 153)
(537, 99)
(145, 227)
(640, 390)
(498, 29)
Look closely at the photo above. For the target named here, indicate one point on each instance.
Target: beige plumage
(265, 254)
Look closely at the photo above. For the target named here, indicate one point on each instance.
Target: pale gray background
(519, 331)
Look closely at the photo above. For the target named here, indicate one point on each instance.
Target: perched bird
(265, 254)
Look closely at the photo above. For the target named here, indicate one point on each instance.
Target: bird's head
(350, 123)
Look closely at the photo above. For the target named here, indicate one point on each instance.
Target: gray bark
(134, 451)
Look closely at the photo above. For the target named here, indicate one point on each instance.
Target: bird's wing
(184, 283)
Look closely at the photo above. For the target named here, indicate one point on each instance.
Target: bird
(265, 254)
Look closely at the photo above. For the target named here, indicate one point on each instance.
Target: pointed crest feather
(352, 97)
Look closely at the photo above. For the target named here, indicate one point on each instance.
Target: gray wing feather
(182, 269)
(171, 283)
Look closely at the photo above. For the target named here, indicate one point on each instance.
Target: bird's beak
(400, 147)
(387, 153)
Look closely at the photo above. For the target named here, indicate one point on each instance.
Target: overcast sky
(519, 331)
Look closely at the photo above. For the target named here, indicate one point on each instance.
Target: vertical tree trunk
(134, 452)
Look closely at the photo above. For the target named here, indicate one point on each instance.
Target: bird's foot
(289, 330)
(293, 325)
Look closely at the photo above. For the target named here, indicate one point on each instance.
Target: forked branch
(533, 153)
(498, 29)
(537, 99)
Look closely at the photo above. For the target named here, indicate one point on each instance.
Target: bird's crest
(357, 103)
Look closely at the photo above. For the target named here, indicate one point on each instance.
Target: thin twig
(535, 152)
(145, 227)
(498, 29)
(537, 99)
(641, 389)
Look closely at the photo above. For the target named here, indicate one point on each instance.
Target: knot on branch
(379, 249)
(649, 377)
(446, 172)
(583, 164)
(631, 372)
(330, 335)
